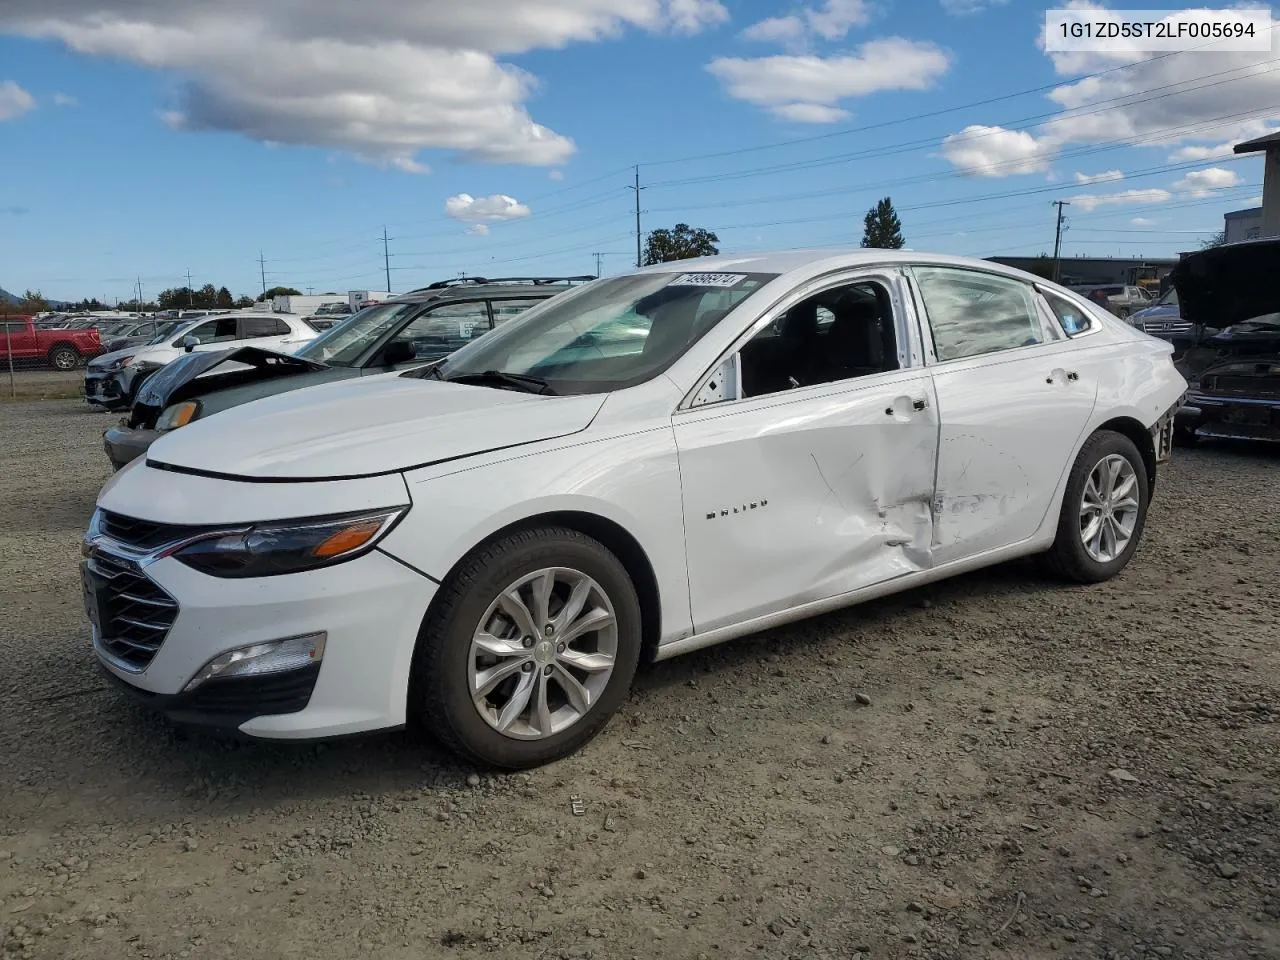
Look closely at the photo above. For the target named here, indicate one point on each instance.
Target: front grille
(134, 613)
(1158, 328)
(143, 534)
(1244, 385)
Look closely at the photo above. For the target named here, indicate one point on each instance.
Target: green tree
(33, 301)
(224, 300)
(881, 227)
(281, 292)
(242, 302)
(1217, 240)
(175, 298)
(679, 243)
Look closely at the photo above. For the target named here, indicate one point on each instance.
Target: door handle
(1072, 375)
(919, 404)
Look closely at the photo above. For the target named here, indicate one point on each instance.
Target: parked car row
(404, 331)
(488, 541)
(111, 380)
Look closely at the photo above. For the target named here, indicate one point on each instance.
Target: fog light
(274, 656)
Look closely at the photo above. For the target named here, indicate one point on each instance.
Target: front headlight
(271, 549)
(178, 415)
(121, 362)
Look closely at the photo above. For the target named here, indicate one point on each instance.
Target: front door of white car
(1014, 398)
(807, 459)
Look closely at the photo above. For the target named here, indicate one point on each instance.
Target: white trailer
(362, 298)
(304, 306)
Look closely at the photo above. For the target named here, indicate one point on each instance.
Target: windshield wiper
(521, 381)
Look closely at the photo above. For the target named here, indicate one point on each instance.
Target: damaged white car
(637, 468)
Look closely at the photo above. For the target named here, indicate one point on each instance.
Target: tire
(1069, 557)
(448, 665)
(64, 357)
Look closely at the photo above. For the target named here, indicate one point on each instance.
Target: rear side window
(222, 330)
(973, 313)
(1074, 319)
(251, 327)
(506, 309)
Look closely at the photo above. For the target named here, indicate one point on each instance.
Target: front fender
(632, 481)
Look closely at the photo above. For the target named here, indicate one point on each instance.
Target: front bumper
(370, 608)
(125, 444)
(1230, 418)
(108, 389)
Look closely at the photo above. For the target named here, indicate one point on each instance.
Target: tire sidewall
(1100, 446)
(448, 683)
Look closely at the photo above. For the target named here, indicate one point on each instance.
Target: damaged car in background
(487, 547)
(1227, 342)
(111, 381)
(394, 334)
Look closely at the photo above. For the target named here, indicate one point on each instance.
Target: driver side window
(838, 334)
(446, 328)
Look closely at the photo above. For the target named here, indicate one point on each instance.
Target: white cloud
(497, 206)
(832, 21)
(1204, 151)
(555, 175)
(809, 88)
(1091, 201)
(380, 79)
(477, 230)
(964, 8)
(1143, 222)
(1105, 176)
(14, 101)
(1203, 183)
(994, 151)
(65, 100)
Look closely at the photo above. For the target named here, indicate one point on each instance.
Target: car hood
(365, 427)
(157, 390)
(104, 360)
(1226, 285)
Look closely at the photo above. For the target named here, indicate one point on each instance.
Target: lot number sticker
(465, 327)
(708, 279)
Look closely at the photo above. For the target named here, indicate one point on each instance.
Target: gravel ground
(997, 767)
(32, 382)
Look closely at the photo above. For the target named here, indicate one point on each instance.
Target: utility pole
(262, 266)
(386, 257)
(191, 296)
(599, 257)
(311, 289)
(1057, 238)
(139, 294)
(637, 188)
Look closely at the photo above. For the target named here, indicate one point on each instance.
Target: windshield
(167, 330)
(1170, 298)
(344, 344)
(606, 335)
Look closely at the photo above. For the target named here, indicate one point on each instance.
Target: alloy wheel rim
(543, 653)
(63, 362)
(1109, 508)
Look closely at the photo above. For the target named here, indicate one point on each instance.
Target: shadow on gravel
(54, 511)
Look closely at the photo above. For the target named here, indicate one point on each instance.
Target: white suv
(112, 380)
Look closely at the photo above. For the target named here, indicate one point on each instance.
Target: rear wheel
(528, 651)
(63, 357)
(1104, 510)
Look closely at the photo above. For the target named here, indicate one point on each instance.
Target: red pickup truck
(21, 339)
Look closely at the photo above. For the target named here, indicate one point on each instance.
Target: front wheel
(63, 357)
(1104, 510)
(529, 649)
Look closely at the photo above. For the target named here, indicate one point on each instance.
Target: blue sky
(151, 137)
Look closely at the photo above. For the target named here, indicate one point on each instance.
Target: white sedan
(643, 466)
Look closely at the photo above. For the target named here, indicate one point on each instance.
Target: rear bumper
(1231, 418)
(124, 444)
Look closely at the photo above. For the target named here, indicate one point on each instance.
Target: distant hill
(7, 297)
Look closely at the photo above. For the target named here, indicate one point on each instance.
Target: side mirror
(190, 342)
(398, 351)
